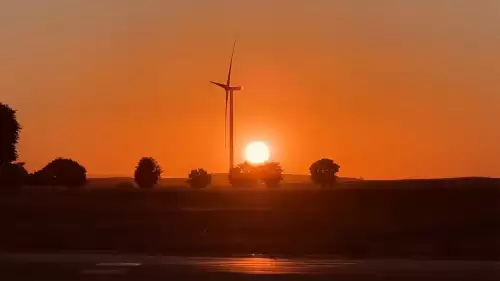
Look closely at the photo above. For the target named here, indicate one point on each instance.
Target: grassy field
(454, 218)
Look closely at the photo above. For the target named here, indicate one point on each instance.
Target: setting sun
(257, 152)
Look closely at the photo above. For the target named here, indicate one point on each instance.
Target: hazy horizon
(388, 89)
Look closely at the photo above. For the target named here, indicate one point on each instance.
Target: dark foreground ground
(429, 219)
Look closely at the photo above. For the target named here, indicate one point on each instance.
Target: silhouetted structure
(324, 172)
(12, 175)
(147, 173)
(60, 172)
(229, 95)
(199, 178)
(9, 134)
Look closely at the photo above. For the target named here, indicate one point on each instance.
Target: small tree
(9, 134)
(60, 172)
(147, 173)
(199, 178)
(324, 172)
(12, 175)
(271, 173)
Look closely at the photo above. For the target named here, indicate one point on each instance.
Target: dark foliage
(323, 172)
(244, 175)
(9, 134)
(199, 178)
(40, 178)
(249, 175)
(147, 173)
(270, 173)
(60, 172)
(12, 175)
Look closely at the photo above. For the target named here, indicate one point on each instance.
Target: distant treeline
(71, 174)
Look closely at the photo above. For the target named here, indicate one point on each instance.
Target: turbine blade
(219, 84)
(230, 66)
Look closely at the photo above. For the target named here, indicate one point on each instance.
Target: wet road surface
(90, 266)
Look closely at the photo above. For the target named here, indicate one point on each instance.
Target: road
(105, 266)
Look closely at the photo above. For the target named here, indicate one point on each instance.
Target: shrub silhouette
(60, 172)
(199, 178)
(9, 134)
(270, 173)
(234, 176)
(12, 175)
(40, 178)
(147, 173)
(323, 172)
(244, 175)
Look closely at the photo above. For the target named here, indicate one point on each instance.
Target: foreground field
(426, 218)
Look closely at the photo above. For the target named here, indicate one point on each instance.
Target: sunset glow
(409, 82)
(257, 152)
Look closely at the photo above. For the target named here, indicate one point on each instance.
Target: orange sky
(388, 89)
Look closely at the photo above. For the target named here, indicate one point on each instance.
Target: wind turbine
(229, 98)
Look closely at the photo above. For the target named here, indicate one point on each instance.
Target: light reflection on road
(260, 264)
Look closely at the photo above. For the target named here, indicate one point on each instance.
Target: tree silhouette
(147, 173)
(244, 175)
(199, 178)
(324, 172)
(60, 172)
(12, 175)
(9, 134)
(270, 173)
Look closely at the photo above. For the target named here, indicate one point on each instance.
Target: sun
(257, 152)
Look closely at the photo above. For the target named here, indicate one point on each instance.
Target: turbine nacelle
(227, 87)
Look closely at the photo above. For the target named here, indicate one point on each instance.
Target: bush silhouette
(60, 172)
(323, 172)
(9, 134)
(199, 178)
(12, 175)
(244, 175)
(40, 178)
(270, 173)
(147, 173)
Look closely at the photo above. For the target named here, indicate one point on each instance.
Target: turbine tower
(229, 97)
